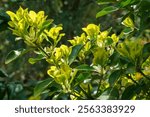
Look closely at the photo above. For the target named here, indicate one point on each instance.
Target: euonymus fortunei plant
(96, 65)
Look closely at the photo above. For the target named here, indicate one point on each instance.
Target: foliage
(96, 65)
(137, 10)
(63, 11)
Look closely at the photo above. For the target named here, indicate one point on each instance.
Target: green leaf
(146, 51)
(114, 77)
(127, 30)
(130, 68)
(110, 94)
(108, 41)
(124, 3)
(3, 74)
(75, 51)
(41, 86)
(14, 54)
(45, 25)
(82, 77)
(123, 50)
(11, 90)
(114, 59)
(85, 67)
(106, 11)
(34, 60)
(18, 88)
(129, 92)
(105, 1)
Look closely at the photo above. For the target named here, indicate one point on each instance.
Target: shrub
(96, 65)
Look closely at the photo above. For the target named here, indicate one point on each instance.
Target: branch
(148, 78)
(41, 49)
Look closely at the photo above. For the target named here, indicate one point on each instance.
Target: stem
(73, 76)
(102, 76)
(133, 80)
(41, 49)
(71, 93)
(144, 75)
(99, 84)
(84, 91)
(76, 96)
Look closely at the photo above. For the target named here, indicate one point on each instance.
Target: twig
(144, 75)
(41, 49)
(133, 80)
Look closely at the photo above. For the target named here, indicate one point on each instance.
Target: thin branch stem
(41, 49)
(102, 76)
(132, 80)
(80, 96)
(84, 91)
(144, 75)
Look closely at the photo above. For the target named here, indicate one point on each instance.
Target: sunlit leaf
(106, 11)
(34, 60)
(45, 25)
(32, 15)
(128, 22)
(124, 3)
(100, 56)
(11, 14)
(92, 30)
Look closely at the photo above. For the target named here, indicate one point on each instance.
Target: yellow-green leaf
(128, 22)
